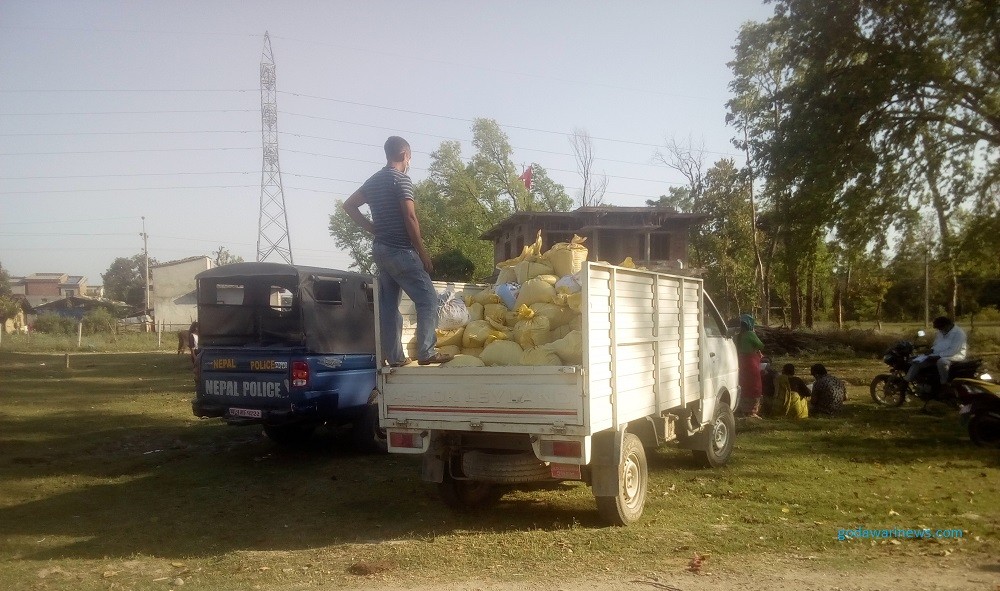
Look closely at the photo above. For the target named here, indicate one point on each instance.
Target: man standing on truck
(399, 253)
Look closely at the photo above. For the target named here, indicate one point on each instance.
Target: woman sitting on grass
(828, 392)
(790, 395)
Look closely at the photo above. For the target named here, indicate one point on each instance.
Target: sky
(111, 112)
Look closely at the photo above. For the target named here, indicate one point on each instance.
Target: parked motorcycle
(893, 388)
(980, 411)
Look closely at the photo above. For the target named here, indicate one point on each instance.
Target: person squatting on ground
(791, 395)
(398, 250)
(749, 346)
(828, 392)
(949, 345)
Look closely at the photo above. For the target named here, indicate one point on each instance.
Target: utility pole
(145, 253)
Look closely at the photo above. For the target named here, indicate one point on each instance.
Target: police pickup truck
(289, 348)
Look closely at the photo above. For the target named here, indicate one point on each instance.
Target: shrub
(98, 321)
(50, 323)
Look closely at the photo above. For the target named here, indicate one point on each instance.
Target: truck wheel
(720, 439)
(509, 468)
(633, 478)
(368, 437)
(467, 496)
(290, 435)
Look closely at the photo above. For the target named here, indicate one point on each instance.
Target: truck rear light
(409, 439)
(300, 373)
(562, 449)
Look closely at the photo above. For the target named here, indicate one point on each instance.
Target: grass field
(109, 482)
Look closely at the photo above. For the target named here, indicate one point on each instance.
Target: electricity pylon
(272, 237)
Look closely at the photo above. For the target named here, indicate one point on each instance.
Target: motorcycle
(894, 389)
(980, 411)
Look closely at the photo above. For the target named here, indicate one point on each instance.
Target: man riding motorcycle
(949, 345)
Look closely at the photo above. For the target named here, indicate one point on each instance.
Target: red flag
(526, 177)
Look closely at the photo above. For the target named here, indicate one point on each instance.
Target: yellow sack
(573, 301)
(576, 323)
(449, 337)
(499, 332)
(495, 312)
(464, 361)
(507, 275)
(627, 263)
(450, 349)
(557, 315)
(531, 330)
(567, 257)
(476, 333)
(475, 312)
(472, 351)
(502, 353)
(539, 356)
(531, 268)
(534, 291)
(559, 332)
(569, 348)
(549, 279)
(487, 296)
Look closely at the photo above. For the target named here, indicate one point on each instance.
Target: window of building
(659, 247)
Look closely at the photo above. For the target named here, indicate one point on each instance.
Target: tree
(5, 288)
(350, 237)
(884, 106)
(592, 193)
(125, 280)
(224, 257)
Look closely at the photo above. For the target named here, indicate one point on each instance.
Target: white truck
(658, 366)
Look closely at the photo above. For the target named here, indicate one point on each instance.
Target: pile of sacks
(531, 316)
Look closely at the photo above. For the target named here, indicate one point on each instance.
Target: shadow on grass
(117, 480)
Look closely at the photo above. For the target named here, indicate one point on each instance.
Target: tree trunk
(811, 292)
(838, 303)
(794, 300)
(763, 294)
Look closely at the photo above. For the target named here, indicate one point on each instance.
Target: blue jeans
(400, 270)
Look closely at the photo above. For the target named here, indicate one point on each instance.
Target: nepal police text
(251, 389)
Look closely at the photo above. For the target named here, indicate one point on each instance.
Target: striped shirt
(384, 192)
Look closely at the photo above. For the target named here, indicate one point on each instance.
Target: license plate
(249, 413)
(966, 409)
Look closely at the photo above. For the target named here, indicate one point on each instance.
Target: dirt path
(926, 575)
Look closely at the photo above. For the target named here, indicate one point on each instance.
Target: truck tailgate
(499, 399)
(239, 378)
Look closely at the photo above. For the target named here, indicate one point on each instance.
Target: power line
(76, 221)
(137, 90)
(190, 111)
(467, 120)
(123, 133)
(128, 189)
(64, 153)
(99, 176)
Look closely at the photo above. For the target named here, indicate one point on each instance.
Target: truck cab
(289, 348)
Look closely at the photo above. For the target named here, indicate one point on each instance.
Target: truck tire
(720, 440)
(366, 434)
(468, 496)
(633, 477)
(504, 468)
(291, 434)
